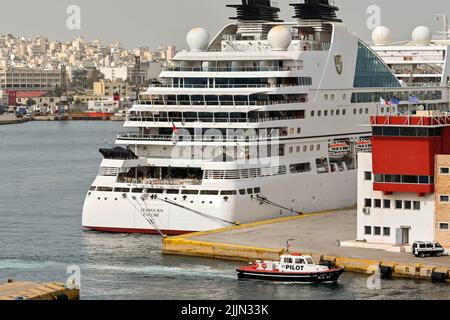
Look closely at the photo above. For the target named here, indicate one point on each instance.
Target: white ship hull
(306, 193)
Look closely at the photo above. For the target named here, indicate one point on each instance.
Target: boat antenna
(288, 244)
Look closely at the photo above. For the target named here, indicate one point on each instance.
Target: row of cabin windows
(387, 204)
(339, 112)
(299, 149)
(395, 178)
(249, 191)
(332, 97)
(376, 231)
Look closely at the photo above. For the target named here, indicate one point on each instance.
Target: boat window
(228, 193)
(155, 190)
(123, 190)
(209, 192)
(189, 192)
(288, 260)
(92, 188)
(300, 261)
(173, 191)
(105, 189)
(309, 261)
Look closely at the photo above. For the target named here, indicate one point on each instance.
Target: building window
(387, 232)
(443, 226)
(416, 205)
(377, 203)
(368, 176)
(387, 204)
(368, 203)
(368, 231)
(445, 170)
(377, 231)
(408, 205)
(444, 198)
(398, 204)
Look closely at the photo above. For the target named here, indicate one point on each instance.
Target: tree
(79, 79)
(96, 76)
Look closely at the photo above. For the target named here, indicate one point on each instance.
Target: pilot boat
(291, 268)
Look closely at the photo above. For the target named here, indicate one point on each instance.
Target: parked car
(426, 248)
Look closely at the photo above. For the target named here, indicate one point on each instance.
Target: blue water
(46, 169)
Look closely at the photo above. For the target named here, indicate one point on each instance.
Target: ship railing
(209, 120)
(232, 69)
(191, 138)
(159, 182)
(217, 103)
(227, 86)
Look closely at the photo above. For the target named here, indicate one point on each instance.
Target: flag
(174, 127)
(414, 99)
(383, 102)
(394, 102)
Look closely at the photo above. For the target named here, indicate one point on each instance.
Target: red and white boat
(291, 268)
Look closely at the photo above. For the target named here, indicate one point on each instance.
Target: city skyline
(137, 24)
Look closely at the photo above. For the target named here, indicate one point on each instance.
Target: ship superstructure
(261, 121)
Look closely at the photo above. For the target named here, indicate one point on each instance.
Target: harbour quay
(324, 235)
(37, 291)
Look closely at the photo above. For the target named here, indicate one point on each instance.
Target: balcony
(231, 69)
(389, 188)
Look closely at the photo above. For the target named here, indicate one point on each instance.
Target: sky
(149, 23)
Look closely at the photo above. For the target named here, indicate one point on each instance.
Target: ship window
(319, 113)
(242, 191)
(155, 191)
(325, 113)
(137, 190)
(408, 205)
(377, 231)
(387, 204)
(368, 176)
(209, 192)
(92, 188)
(122, 190)
(398, 204)
(228, 193)
(105, 189)
(298, 149)
(300, 167)
(173, 191)
(257, 190)
(344, 112)
(305, 148)
(338, 112)
(371, 71)
(312, 113)
(416, 205)
(190, 192)
(368, 203)
(354, 111)
(377, 203)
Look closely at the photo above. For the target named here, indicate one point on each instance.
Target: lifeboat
(291, 268)
(363, 145)
(339, 149)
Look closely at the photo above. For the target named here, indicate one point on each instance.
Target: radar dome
(421, 36)
(198, 39)
(279, 38)
(381, 36)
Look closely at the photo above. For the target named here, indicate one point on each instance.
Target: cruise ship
(264, 120)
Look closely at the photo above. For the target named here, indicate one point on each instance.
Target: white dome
(381, 36)
(421, 36)
(198, 39)
(279, 38)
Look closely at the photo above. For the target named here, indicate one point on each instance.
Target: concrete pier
(37, 291)
(316, 234)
